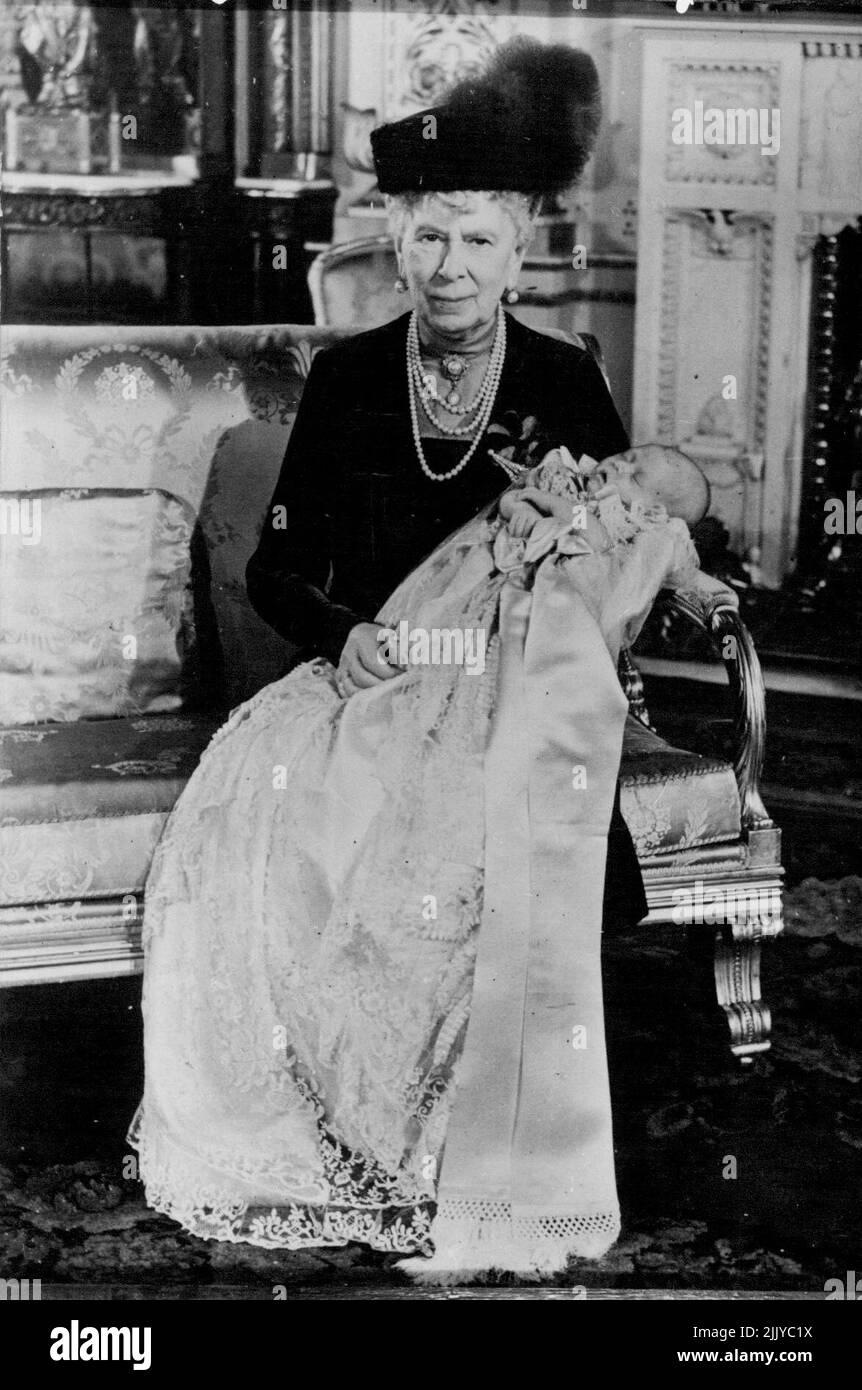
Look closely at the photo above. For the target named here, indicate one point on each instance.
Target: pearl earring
(400, 287)
(512, 296)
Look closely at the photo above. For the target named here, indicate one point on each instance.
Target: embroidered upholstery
(97, 606)
(84, 803)
(203, 414)
(674, 799)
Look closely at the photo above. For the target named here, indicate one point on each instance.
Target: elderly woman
(358, 901)
(390, 449)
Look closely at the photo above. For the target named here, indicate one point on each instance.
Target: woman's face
(458, 259)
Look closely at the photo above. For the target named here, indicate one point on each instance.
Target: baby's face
(638, 475)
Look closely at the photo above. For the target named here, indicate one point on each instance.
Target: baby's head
(654, 473)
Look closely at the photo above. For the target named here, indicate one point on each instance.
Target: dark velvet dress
(361, 514)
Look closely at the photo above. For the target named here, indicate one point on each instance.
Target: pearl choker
(420, 390)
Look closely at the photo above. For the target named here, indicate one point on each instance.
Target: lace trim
(185, 1190)
(473, 1236)
(403, 1230)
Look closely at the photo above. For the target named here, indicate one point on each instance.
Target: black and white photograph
(430, 664)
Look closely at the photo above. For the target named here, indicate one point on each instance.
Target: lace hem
(473, 1236)
(295, 1226)
(194, 1193)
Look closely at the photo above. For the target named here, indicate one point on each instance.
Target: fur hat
(527, 125)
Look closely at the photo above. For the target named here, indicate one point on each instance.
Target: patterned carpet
(789, 1219)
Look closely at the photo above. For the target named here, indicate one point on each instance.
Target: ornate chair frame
(749, 869)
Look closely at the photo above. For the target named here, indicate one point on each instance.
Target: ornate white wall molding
(724, 256)
(726, 85)
(717, 409)
(831, 126)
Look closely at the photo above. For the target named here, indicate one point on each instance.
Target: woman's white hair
(522, 209)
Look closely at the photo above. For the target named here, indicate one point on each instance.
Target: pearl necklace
(452, 401)
(453, 431)
(488, 392)
(427, 391)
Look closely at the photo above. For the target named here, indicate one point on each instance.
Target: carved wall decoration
(690, 241)
(432, 43)
(726, 86)
(445, 50)
(720, 418)
(722, 238)
(721, 261)
(831, 127)
(666, 370)
(724, 264)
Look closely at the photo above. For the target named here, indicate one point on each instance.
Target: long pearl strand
(430, 393)
(488, 391)
(454, 431)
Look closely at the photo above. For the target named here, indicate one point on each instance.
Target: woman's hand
(364, 660)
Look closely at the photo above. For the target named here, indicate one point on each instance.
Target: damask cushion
(84, 804)
(674, 800)
(96, 612)
(203, 413)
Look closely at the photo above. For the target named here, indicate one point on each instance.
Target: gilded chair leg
(737, 984)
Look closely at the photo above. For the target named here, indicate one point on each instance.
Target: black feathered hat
(527, 124)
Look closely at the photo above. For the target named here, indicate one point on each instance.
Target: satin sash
(527, 1176)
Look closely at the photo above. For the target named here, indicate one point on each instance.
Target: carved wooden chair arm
(714, 608)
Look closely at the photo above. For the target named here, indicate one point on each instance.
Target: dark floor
(70, 1210)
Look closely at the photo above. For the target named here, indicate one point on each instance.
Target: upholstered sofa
(125, 636)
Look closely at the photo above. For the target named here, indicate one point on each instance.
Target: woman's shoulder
(371, 347)
(549, 345)
(558, 368)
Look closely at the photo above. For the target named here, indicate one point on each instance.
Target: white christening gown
(372, 994)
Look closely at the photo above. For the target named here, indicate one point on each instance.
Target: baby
(620, 529)
(651, 481)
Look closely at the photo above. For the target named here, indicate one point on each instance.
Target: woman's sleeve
(288, 574)
(604, 432)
